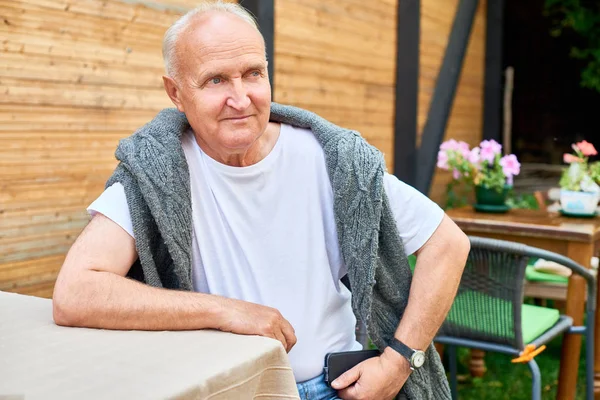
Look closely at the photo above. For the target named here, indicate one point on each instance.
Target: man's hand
(254, 319)
(378, 378)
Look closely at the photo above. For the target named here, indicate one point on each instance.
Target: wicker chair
(488, 312)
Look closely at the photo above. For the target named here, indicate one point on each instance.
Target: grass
(504, 380)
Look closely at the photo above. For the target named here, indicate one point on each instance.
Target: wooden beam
(264, 11)
(492, 103)
(444, 91)
(407, 90)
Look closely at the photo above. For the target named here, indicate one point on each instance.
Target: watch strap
(401, 348)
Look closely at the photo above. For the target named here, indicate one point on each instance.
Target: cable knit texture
(155, 175)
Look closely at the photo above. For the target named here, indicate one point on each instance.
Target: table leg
(571, 347)
(477, 366)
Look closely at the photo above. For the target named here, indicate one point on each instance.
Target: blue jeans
(316, 389)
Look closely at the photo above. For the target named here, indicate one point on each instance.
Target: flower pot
(491, 200)
(578, 203)
(490, 197)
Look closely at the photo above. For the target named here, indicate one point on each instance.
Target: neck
(252, 155)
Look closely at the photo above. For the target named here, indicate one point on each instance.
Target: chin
(240, 141)
(246, 133)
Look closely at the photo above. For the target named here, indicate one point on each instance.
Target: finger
(281, 337)
(352, 392)
(347, 378)
(349, 393)
(290, 335)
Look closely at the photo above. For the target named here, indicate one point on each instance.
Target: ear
(173, 92)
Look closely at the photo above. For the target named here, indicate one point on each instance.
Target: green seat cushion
(536, 276)
(537, 320)
(490, 315)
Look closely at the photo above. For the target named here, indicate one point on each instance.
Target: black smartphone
(338, 363)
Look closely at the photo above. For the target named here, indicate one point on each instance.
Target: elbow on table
(65, 313)
(67, 307)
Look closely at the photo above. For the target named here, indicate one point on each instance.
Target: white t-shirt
(266, 234)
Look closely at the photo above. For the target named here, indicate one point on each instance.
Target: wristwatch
(416, 358)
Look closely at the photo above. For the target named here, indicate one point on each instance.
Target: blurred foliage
(459, 194)
(507, 381)
(583, 18)
(526, 201)
(595, 171)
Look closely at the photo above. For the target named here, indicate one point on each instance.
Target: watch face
(418, 359)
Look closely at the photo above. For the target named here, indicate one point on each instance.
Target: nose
(238, 98)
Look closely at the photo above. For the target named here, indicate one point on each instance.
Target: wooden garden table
(576, 238)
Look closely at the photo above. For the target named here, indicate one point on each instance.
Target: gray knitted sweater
(155, 175)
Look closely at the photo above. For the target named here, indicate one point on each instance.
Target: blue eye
(215, 81)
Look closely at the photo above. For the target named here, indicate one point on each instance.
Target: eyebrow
(249, 67)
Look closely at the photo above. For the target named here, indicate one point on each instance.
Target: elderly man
(239, 214)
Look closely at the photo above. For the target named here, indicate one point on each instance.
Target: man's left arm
(440, 263)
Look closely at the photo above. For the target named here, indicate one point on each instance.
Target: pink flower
(487, 154)
(474, 157)
(510, 165)
(449, 145)
(570, 158)
(489, 150)
(456, 174)
(463, 148)
(442, 161)
(586, 148)
(509, 180)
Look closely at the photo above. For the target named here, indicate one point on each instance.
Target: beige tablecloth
(40, 360)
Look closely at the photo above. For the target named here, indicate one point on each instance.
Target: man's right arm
(92, 291)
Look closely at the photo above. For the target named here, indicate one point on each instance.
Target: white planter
(579, 202)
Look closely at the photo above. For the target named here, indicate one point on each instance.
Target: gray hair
(174, 31)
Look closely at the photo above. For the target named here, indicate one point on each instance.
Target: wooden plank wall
(78, 75)
(338, 59)
(466, 119)
(75, 77)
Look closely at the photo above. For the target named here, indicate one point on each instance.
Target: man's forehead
(223, 49)
(221, 32)
(226, 58)
(228, 66)
(219, 43)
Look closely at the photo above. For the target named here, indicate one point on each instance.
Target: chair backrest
(488, 304)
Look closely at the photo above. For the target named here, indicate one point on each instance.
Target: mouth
(240, 118)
